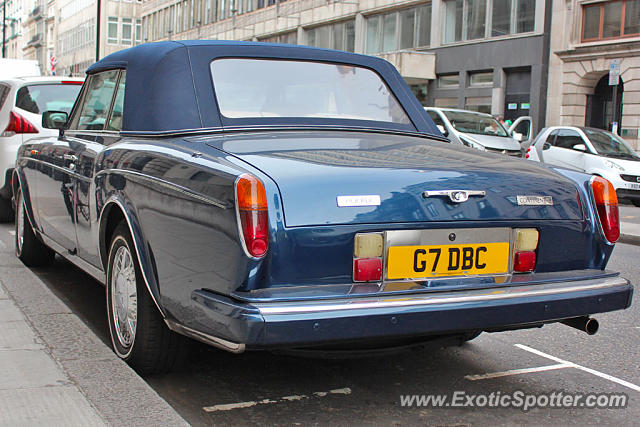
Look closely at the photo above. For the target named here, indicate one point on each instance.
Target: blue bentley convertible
(258, 196)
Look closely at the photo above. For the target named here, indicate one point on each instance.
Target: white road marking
(517, 372)
(582, 368)
(249, 404)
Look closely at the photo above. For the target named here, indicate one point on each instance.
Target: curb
(110, 386)
(630, 239)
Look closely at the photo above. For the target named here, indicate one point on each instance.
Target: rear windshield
(276, 88)
(475, 123)
(48, 97)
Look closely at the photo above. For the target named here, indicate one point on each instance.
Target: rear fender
(143, 251)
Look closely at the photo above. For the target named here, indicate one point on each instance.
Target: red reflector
(18, 124)
(367, 269)
(524, 261)
(526, 156)
(607, 206)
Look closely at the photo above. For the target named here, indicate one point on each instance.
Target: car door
(106, 134)
(85, 126)
(559, 151)
(522, 126)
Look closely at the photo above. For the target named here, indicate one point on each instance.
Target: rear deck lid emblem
(456, 196)
(364, 200)
(535, 200)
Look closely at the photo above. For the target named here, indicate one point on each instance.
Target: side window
(93, 112)
(568, 138)
(523, 128)
(115, 121)
(436, 119)
(551, 139)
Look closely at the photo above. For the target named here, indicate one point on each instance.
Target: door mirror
(443, 130)
(518, 136)
(546, 146)
(54, 119)
(580, 147)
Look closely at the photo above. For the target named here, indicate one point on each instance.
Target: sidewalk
(55, 371)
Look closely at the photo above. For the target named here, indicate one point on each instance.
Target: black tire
(6, 210)
(31, 251)
(149, 347)
(636, 202)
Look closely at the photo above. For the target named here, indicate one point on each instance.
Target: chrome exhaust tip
(585, 324)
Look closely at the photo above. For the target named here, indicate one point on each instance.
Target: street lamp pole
(4, 26)
(98, 33)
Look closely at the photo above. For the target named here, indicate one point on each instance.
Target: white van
(11, 68)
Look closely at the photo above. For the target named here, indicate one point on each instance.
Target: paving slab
(29, 369)
(51, 406)
(18, 335)
(8, 311)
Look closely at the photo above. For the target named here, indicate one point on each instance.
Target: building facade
(586, 37)
(77, 30)
(483, 55)
(14, 14)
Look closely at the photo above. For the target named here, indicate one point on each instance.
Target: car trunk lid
(314, 170)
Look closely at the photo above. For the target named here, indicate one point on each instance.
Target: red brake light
(18, 124)
(253, 216)
(607, 206)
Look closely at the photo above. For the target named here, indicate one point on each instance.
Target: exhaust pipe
(585, 324)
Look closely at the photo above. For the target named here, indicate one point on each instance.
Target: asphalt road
(214, 387)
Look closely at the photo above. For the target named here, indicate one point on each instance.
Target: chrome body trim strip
(167, 184)
(451, 297)
(206, 338)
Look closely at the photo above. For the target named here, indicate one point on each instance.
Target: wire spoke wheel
(124, 303)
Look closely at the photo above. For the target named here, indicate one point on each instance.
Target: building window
(469, 19)
(340, 36)
(449, 81)
(112, 30)
(481, 79)
(482, 104)
(612, 19)
(286, 38)
(406, 29)
(138, 31)
(126, 31)
(446, 102)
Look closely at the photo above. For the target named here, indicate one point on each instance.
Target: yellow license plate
(409, 262)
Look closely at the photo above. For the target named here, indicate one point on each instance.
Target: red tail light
(524, 261)
(253, 217)
(18, 124)
(71, 82)
(607, 206)
(367, 269)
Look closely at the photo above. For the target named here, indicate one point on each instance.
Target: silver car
(473, 129)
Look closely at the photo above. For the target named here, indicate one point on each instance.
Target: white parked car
(473, 129)
(22, 101)
(593, 151)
